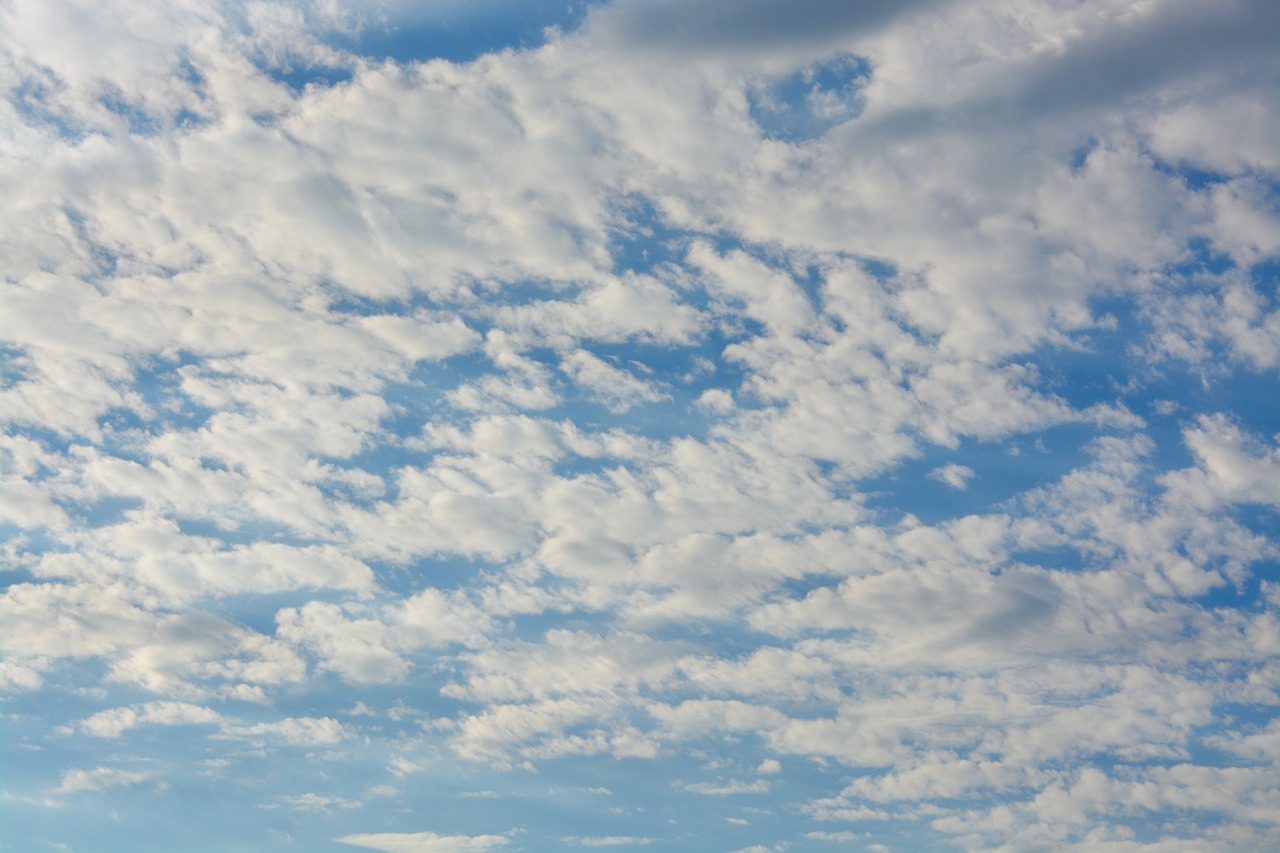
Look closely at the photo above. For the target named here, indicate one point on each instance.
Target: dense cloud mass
(719, 426)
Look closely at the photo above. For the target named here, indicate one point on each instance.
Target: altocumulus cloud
(809, 423)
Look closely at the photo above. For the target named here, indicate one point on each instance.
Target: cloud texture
(712, 426)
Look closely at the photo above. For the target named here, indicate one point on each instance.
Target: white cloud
(100, 779)
(954, 475)
(15, 676)
(608, 840)
(617, 388)
(1228, 134)
(114, 722)
(319, 351)
(354, 648)
(298, 731)
(424, 842)
(318, 803)
(724, 789)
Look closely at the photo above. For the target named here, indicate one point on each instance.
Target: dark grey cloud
(1174, 42)
(1233, 41)
(746, 26)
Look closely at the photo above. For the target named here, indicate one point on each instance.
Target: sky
(729, 426)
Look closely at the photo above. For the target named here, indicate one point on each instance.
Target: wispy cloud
(100, 779)
(424, 842)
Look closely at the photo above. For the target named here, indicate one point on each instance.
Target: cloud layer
(804, 423)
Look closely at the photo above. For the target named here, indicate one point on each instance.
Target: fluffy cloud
(114, 722)
(580, 402)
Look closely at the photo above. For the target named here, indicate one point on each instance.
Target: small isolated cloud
(424, 842)
(99, 779)
(402, 766)
(318, 803)
(733, 786)
(833, 836)
(114, 722)
(955, 476)
(301, 731)
(43, 802)
(769, 766)
(607, 840)
(716, 400)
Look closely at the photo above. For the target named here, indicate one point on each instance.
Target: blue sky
(723, 427)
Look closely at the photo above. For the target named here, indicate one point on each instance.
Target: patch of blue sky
(1243, 591)
(358, 494)
(494, 296)
(573, 466)
(49, 441)
(31, 101)
(243, 528)
(1200, 259)
(881, 270)
(137, 120)
(15, 364)
(105, 511)
(342, 302)
(1096, 371)
(682, 375)
(1233, 721)
(1171, 401)
(414, 401)
(1064, 558)
(399, 707)
(1002, 470)
(639, 239)
(1190, 175)
(1265, 281)
(35, 723)
(154, 813)
(803, 105)
(533, 627)
(1166, 393)
(24, 544)
(1080, 153)
(457, 30)
(567, 800)
(158, 385)
(301, 77)
(106, 260)
(1208, 743)
(445, 571)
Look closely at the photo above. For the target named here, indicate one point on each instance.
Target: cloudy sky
(731, 426)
